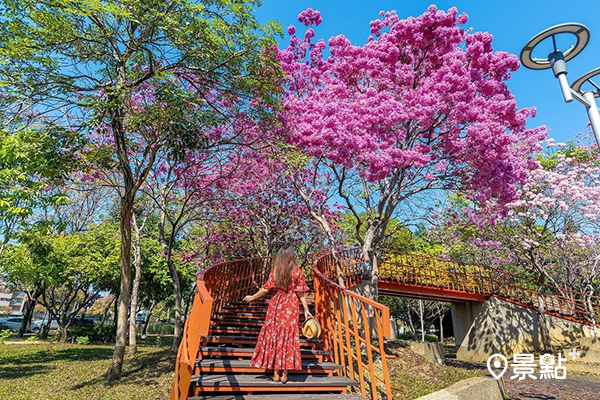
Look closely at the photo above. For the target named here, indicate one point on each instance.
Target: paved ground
(575, 387)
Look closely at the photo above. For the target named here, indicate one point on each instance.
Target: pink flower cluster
(423, 96)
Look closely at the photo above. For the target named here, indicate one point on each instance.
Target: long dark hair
(283, 266)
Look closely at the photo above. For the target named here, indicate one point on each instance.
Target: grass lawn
(48, 371)
(418, 377)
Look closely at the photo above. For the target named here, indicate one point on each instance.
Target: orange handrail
(216, 287)
(354, 327)
(427, 271)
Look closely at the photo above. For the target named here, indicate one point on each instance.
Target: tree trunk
(178, 308)
(147, 321)
(46, 329)
(137, 257)
(442, 328)
(64, 333)
(63, 326)
(545, 333)
(167, 247)
(116, 367)
(105, 312)
(28, 314)
(370, 259)
(189, 301)
(411, 325)
(590, 306)
(26, 318)
(32, 299)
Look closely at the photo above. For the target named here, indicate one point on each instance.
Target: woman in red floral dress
(278, 343)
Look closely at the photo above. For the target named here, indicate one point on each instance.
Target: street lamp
(557, 60)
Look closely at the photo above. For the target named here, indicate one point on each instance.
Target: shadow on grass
(24, 371)
(23, 363)
(142, 369)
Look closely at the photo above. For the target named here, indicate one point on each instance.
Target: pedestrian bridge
(493, 311)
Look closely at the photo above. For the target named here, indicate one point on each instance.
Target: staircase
(213, 361)
(222, 369)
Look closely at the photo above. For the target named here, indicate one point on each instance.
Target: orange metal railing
(216, 287)
(354, 327)
(446, 275)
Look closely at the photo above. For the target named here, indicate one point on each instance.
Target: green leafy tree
(93, 65)
(70, 269)
(34, 162)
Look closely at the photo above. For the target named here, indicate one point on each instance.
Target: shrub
(4, 334)
(95, 333)
(161, 329)
(31, 339)
(83, 340)
(406, 336)
(432, 338)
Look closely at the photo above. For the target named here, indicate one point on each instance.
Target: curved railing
(216, 287)
(448, 276)
(354, 327)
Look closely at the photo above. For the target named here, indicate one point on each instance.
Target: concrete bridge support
(497, 326)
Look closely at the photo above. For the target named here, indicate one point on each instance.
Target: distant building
(13, 303)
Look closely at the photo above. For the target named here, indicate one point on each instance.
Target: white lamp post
(557, 60)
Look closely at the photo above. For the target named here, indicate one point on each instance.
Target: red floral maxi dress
(278, 343)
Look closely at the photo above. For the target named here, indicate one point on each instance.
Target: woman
(278, 344)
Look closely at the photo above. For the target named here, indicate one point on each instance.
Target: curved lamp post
(583, 89)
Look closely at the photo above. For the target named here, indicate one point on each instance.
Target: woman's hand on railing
(248, 299)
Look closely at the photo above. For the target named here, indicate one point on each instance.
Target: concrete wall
(478, 388)
(497, 326)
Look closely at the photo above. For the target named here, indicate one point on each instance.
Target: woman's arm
(261, 292)
(302, 297)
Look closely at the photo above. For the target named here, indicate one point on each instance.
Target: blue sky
(512, 23)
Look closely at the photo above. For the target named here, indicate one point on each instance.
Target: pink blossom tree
(550, 234)
(552, 229)
(422, 107)
(256, 209)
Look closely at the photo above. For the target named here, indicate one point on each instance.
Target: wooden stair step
(235, 329)
(239, 314)
(247, 351)
(251, 340)
(253, 318)
(260, 303)
(290, 396)
(256, 383)
(241, 322)
(243, 366)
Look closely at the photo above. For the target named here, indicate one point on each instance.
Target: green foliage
(4, 334)
(32, 167)
(31, 339)
(432, 338)
(82, 340)
(405, 336)
(580, 153)
(91, 57)
(399, 238)
(95, 333)
(161, 329)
